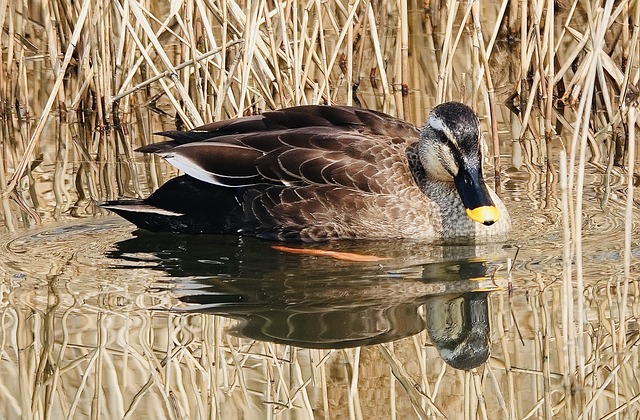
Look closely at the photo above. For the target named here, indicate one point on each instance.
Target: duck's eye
(442, 138)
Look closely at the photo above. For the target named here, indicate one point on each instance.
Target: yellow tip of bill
(487, 215)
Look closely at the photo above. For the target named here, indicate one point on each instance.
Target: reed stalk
(33, 141)
(490, 93)
(632, 112)
(568, 297)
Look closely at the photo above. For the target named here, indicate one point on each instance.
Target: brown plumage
(325, 172)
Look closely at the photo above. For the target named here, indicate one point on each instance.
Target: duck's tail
(183, 205)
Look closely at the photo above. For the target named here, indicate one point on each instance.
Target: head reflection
(458, 326)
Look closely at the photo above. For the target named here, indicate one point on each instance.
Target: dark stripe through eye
(442, 138)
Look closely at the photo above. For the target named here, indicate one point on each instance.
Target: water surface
(99, 316)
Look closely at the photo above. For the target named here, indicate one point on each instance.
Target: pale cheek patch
(439, 164)
(447, 160)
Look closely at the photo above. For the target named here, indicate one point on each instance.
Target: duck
(325, 172)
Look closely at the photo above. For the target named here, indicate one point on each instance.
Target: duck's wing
(367, 159)
(343, 117)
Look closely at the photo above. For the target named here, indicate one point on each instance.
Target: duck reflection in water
(320, 303)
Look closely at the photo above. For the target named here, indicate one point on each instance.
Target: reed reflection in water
(122, 328)
(102, 321)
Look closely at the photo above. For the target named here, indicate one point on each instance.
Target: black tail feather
(183, 205)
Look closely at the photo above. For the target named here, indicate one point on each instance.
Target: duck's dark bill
(475, 197)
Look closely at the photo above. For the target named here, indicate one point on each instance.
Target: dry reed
(82, 84)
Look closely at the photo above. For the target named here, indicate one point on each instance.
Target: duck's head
(449, 150)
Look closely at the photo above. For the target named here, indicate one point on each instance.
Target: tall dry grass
(83, 83)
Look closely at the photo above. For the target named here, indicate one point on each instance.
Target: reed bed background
(82, 84)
